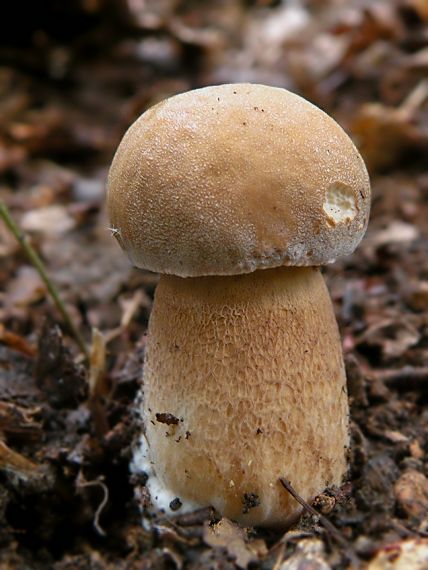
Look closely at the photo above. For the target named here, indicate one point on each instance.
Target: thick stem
(251, 368)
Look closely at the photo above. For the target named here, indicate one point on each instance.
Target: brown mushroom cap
(233, 178)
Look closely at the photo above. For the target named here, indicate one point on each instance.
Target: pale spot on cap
(340, 204)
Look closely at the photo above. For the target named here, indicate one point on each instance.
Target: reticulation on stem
(250, 370)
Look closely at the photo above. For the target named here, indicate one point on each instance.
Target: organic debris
(73, 76)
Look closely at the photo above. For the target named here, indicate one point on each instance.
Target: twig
(406, 378)
(97, 364)
(415, 98)
(280, 556)
(96, 483)
(34, 258)
(16, 342)
(12, 461)
(195, 518)
(330, 528)
(98, 384)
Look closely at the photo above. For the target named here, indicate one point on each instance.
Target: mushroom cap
(232, 178)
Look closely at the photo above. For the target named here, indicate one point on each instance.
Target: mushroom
(237, 194)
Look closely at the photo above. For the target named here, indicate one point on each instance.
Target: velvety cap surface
(232, 178)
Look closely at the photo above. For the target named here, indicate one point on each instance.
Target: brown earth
(73, 76)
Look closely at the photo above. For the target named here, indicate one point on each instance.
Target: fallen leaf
(231, 537)
(395, 436)
(411, 491)
(97, 365)
(25, 289)
(48, 220)
(391, 338)
(411, 554)
(396, 232)
(417, 295)
(309, 555)
(16, 463)
(18, 421)
(385, 134)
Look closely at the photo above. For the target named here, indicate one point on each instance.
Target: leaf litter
(72, 79)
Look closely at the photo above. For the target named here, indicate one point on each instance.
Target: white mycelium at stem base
(251, 366)
(234, 182)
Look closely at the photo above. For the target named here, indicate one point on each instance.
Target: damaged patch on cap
(340, 204)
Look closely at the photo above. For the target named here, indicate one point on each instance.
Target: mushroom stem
(244, 383)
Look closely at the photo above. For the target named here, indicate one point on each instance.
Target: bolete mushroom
(237, 194)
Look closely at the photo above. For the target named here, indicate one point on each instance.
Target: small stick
(34, 258)
(415, 98)
(406, 378)
(331, 529)
(196, 517)
(16, 342)
(10, 460)
(81, 483)
(280, 556)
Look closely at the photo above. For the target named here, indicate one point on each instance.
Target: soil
(73, 76)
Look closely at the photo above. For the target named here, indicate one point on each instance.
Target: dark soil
(73, 76)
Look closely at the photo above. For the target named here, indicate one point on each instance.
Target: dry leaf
(309, 555)
(16, 463)
(49, 220)
(25, 289)
(411, 491)
(411, 554)
(97, 364)
(392, 338)
(417, 296)
(395, 436)
(18, 421)
(228, 535)
(396, 232)
(386, 134)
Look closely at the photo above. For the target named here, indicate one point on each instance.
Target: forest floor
(73, 76)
